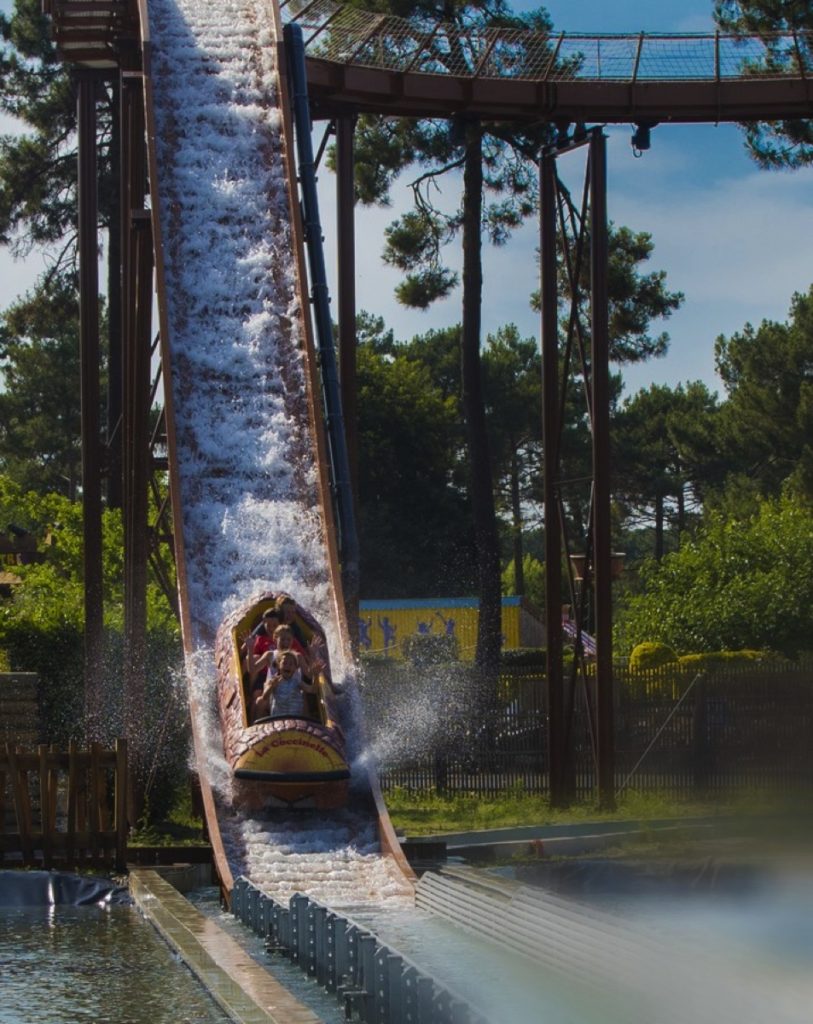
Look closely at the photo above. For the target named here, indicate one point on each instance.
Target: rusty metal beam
(600, 418)
(551, 415)
(90, 399)
(335, 89)
(585, 357)
(115, 324)
(346, 236)
(137, 337)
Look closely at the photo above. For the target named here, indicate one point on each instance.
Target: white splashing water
(248, 477)
(247, 472)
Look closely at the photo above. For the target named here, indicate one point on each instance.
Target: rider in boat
(285, 691)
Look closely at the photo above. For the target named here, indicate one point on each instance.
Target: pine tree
(497, 162)
(667, 452)
(786, 143)
(38, 165)
(39, 403)
(767, 420)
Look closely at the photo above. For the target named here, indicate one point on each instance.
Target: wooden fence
(19, 714)
(680, 732)
(64, 810)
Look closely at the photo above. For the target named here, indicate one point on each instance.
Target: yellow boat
(290, 758)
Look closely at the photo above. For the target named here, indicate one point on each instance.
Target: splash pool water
(106, 965)
(735, 938)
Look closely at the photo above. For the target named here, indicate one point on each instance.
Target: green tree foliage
(412, 515)
(39, 404)
(785, 143)
(739, 583)
(512, 376)
(636, 298)
(499, 191)
(51, 590)
(512, 396)
(666, 455)
(38, 182)
(651, 655)
(38, 168)
(41, 630)
(386, 147)
(438, 350)
(533, 575)
(767, 420)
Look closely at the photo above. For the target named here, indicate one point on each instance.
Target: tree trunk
(489, 630)
(516, 526)
(659, 527)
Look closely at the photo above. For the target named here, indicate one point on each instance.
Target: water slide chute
(245, 429)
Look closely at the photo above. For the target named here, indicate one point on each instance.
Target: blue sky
(734, 239)
(737, 241)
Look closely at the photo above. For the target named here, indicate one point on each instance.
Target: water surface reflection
(64, 965)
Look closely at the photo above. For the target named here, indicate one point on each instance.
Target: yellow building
(385, 625)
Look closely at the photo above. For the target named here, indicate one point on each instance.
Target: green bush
(720, 659)
(651, 655)
(738, 583)
(56, 654)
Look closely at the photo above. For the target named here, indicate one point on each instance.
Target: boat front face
(294, 760)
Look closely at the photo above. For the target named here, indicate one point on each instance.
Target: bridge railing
(346, 35)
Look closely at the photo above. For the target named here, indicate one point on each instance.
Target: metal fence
(345, 35)
(679, 731)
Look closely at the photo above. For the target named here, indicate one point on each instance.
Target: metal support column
(580, 707)
(115, 387)
(346, 231)
(90, 399)
(602, 560)
(550, 440)
(137, 326)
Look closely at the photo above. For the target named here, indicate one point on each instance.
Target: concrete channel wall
(247, 993)
(372, 981)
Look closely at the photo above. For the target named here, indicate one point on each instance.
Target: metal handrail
(339, 461)
(399, 44)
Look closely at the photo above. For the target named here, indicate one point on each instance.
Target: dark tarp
(46, 888)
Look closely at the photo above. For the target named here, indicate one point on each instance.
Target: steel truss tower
(575, 364)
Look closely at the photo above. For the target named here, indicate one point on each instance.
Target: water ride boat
(278, 756)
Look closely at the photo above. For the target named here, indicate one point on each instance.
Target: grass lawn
(426, 813)
(420, 814)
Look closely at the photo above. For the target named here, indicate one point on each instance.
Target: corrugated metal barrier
(372, 981)
(633, 973)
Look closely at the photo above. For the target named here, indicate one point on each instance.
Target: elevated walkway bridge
(374, 63)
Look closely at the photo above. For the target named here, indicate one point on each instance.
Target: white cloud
(746, 241)
(734, 239)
